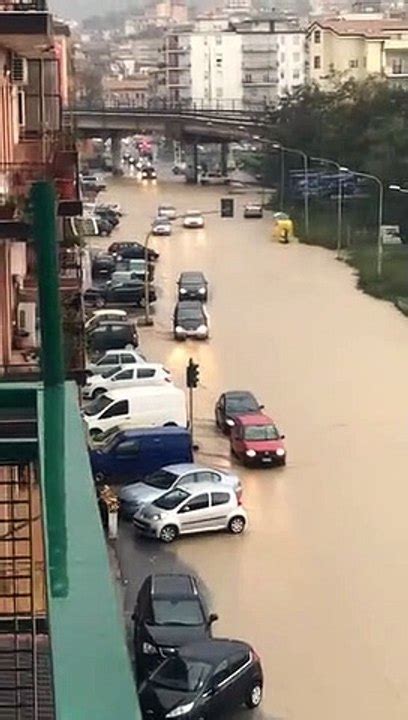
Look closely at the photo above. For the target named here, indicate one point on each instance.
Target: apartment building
(358, 46)
(233, 64)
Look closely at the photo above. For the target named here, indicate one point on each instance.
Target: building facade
(358, 46)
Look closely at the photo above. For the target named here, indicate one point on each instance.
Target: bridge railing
(158, 105)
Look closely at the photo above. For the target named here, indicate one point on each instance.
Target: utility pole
(192, 378)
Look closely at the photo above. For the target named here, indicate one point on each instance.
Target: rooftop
(372, 28)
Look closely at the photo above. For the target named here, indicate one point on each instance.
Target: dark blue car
(129, 454)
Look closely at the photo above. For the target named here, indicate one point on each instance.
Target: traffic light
(227, 207)
(193, 374)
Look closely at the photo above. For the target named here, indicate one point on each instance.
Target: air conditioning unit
(19, 70)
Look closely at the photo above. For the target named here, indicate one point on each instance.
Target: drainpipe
(52, 365)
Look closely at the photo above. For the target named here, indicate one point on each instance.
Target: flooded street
(319, 582)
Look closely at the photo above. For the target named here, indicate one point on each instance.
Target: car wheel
(254, 698)
(168, 533)
(236, 525)
(97, 392)
(170, 424)
(100, 477)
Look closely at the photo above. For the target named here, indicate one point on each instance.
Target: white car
(142, 374)
(100, 316)
(193, 219)
(187, 509)
(114, 359)
(167, 211)
(161, 226)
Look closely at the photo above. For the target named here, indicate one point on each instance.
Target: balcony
(19, 19)
(62, 645)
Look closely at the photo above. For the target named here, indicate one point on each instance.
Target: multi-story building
(131, 91)
(229, 64)
(358, 46)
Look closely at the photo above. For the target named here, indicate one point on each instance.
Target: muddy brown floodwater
(319, 582)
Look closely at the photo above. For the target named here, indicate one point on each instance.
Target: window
(218, 62)
(219, 92)
(218, 39)
(207, 476)
(248, 77)
(396, 66)
(127, 447)
(219, 498)
(317, 37)
(146, 372)
(317, 62)
(200, 502)
(282, 75)
(296, 39)
(21, 107)
(109, 360)
(296, 57)
(127, 359)
(124, 375)
(265, 77)
(353, 63)
(296, 75)
(118, 408)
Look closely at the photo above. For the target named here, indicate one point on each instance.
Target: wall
(291, 61)
(216, 68)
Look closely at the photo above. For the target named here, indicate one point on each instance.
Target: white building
(240, 64)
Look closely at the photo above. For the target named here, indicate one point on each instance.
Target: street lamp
(148, 321)
(326, 161)
(377, 180)
(283, 149)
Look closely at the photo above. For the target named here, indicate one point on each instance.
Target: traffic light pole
(191, 414)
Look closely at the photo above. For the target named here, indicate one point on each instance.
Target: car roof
(254, 419)
(124, 393)
(166, 206)
(107, 311)
(165, 584)
(166, 430)
(120, 323)
(190, 305)
(121, 350)
(143, 366)
(193, 212)
(206, 486)
(181, 468)
(213, 651)
(192, 275)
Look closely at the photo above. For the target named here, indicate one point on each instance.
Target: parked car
(192, 286)
(169, 612)
(204, 680)
(136, 376)
(214, 178)
(129, 249)
(123, 454)
(167, 211)
(103, 265)
(105, 227)
(161, 227)
(170, 477)
(255, 440)
(135, 266)
(149, 173)
(190, 320)
(143, 406)
(111, 359)
(92, 182)
(193, 219)
(129, 293)
(113, 207)
(100, 316)
(106, 214)
(111, 335)
(253, 210)
(233, 403)
(187, 510)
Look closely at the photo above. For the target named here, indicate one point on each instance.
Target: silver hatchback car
(186, 510)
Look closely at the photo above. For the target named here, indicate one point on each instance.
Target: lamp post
(147, 319)
(283, 149)
(326, 161)
(380, 184)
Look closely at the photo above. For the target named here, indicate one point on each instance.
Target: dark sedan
(207, 679)
(112, 336)
(169, 612)
(132, 250)
(192, 286)
(103, 265)
(128, 293)
(233, 403)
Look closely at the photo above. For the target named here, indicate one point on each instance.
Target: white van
(143, 406)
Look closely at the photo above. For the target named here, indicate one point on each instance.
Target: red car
(256, 440)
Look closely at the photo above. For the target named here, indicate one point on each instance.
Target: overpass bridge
(209, 124)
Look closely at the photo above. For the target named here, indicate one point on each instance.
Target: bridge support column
(116, 154)
(224, 158)
(195, 163)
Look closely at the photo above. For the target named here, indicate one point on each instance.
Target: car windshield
(172, 499)
(161, 479)
(109, 373)
(241, 404)
(177, 611)
(182, 675)
(190, 314)
(96, 406)
(261, 432)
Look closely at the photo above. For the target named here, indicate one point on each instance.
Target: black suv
(190, 320)
(192, 286)
(103, 264)
(129, 293)
(208, 679)
(169, 612)
(112, 336)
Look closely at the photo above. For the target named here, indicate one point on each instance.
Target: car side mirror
(262, 407)
(212, 618)
(282, 437)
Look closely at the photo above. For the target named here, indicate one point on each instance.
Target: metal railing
(162, 105)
